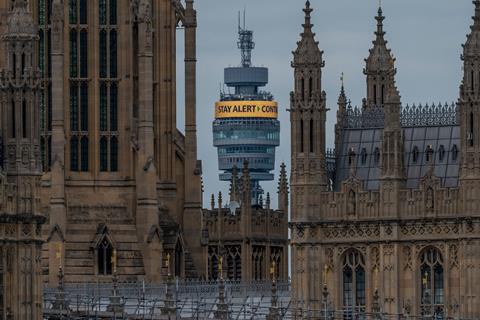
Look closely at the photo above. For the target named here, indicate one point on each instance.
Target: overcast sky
(425, 36)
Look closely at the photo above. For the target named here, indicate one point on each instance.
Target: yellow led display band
(246, 109)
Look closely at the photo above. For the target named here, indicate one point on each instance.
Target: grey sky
(425, 36)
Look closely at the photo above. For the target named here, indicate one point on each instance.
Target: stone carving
(453, 255)
(430, 200)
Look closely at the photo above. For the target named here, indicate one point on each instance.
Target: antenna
(244, 17)
(245, 42)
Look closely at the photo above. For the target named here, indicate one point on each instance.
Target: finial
(212, 202)
(380, 18)
(308, 25)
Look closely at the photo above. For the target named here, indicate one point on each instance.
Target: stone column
(58, 210)
(193, 169)
(146, 172)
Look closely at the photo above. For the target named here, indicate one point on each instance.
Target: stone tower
(380, 69)
(469, 105)
(20, 223)
(307, 117)
(117, 173)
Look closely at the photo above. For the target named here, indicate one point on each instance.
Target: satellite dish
(233, 206)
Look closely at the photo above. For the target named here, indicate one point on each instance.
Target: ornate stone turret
(380, 66)
(393, 176)
(20, 86)
(307, 116)
(469, 104)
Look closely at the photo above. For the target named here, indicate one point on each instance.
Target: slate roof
(429, 132)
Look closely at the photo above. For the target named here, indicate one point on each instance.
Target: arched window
(375, 94)
(363, 156)
(301, 136)
(429, 154)
(310, 88)
(74, 153)
(113, 154)
(84, 153)
(353, 283)
(441, 153)
(13, 119)
(470, 134)
(258, 260)
(104, 257)
(377, 156)
(108, 82)
(302, 88)
(312, 129)
(415, 154)
(213, 263)
(234, 263)
(432, 286)
(103, 154)
(24, 118)
(454, 152)
(351, 157)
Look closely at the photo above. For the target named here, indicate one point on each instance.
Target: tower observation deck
(246, 126)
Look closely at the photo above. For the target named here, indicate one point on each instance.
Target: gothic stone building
(250, 240)
(119, 178)
(20, 169)
(393, 212)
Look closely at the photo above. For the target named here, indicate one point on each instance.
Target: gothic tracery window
(432, 286)
(213, 260)
(79, 88)
(258, 263)
(353, 285)
(234, 262)
(104, 257)
(108, 84)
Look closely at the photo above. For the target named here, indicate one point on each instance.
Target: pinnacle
(308, 23)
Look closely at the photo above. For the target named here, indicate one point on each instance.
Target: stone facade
(247, 242)
(20, 170)
(389, 224)
(119, 178)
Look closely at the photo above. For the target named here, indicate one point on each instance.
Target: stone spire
(307, 48)
(380, 66)
(342, 109)
(283, 189)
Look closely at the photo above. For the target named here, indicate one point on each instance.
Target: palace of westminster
(97, 181)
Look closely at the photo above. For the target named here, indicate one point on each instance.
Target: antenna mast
(245, 42)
